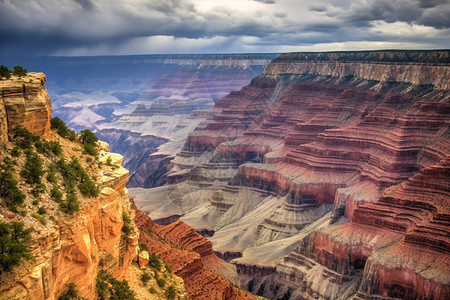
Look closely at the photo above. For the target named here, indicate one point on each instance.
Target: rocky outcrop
(327, 134)
(190, 256)
(66, 248)
(24, 102)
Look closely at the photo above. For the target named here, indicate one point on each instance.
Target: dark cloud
(431, 3)
(86, 4)
(46, 27)
(266, 1)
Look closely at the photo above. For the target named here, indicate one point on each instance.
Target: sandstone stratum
(83, 237)
(327, 177)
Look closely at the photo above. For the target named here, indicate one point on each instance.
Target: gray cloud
(46, 27)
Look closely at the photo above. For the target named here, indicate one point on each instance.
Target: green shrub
(71, 204)
(126, 228)
(9, 190)
(20, 71)
(154, 262)
(61, 129)
(143, 247)
(88, 188)
(15, 152)
(89, 141)
(56, 194)
(52, 147)
(42, 210)
(23, 138)
(39, 218)
(161, 282)
(38, 189)
(171, 292)
(169, 269)
(145, 277)
(152, 290)
(5, 72)
(71, 293)
(14, 245)
(90, 149)
(33, 171)
(51, 177)
(110, 288)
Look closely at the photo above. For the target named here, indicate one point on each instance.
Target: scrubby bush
(14, 245)
(56, 194)
(145, 277)
(33, 171)
(19, 71)
(71, 204)
(143, 247)
(38, 189)
(110, 288)
(5, 72)
(152, 290)
(9, 191)
(51, 177)
(15, 152)
(126, 228)
(89, 141)
(48, 147)
(39, 218)
(154, 262)
(23, 138)
(161, 282)
(61, 129)
(42, 210)
(171, 292)
(71, 293)
(74, 173)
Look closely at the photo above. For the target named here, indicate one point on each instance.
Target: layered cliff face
(190, 256)
(24, 101)
(318, 140)
(68, 246)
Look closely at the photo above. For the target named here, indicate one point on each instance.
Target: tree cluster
(14, 245)
(60, 127)
(9, 190)
(18, 71)
(110, 288)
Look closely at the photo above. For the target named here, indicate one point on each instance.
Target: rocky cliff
(82, 216)
(334, 161)
(66, 247)
(24, 101)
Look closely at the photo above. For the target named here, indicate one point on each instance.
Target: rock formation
(73, 248)
(24, 102)
(190, 256)
(316, 141)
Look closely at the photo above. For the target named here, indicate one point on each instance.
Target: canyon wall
(24, 102)
(323, 161)
(66, 248)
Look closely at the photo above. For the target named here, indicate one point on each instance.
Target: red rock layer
(401, 241)
(190, 257)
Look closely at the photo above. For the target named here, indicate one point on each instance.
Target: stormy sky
(116, 27)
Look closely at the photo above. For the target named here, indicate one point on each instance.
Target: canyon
(326, 177)
(144, 106)
(100, 236)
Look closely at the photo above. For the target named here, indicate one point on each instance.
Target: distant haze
(124, 27)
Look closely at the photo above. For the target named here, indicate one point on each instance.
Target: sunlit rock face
(24, 101)
(70, 248)
(316, 178)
